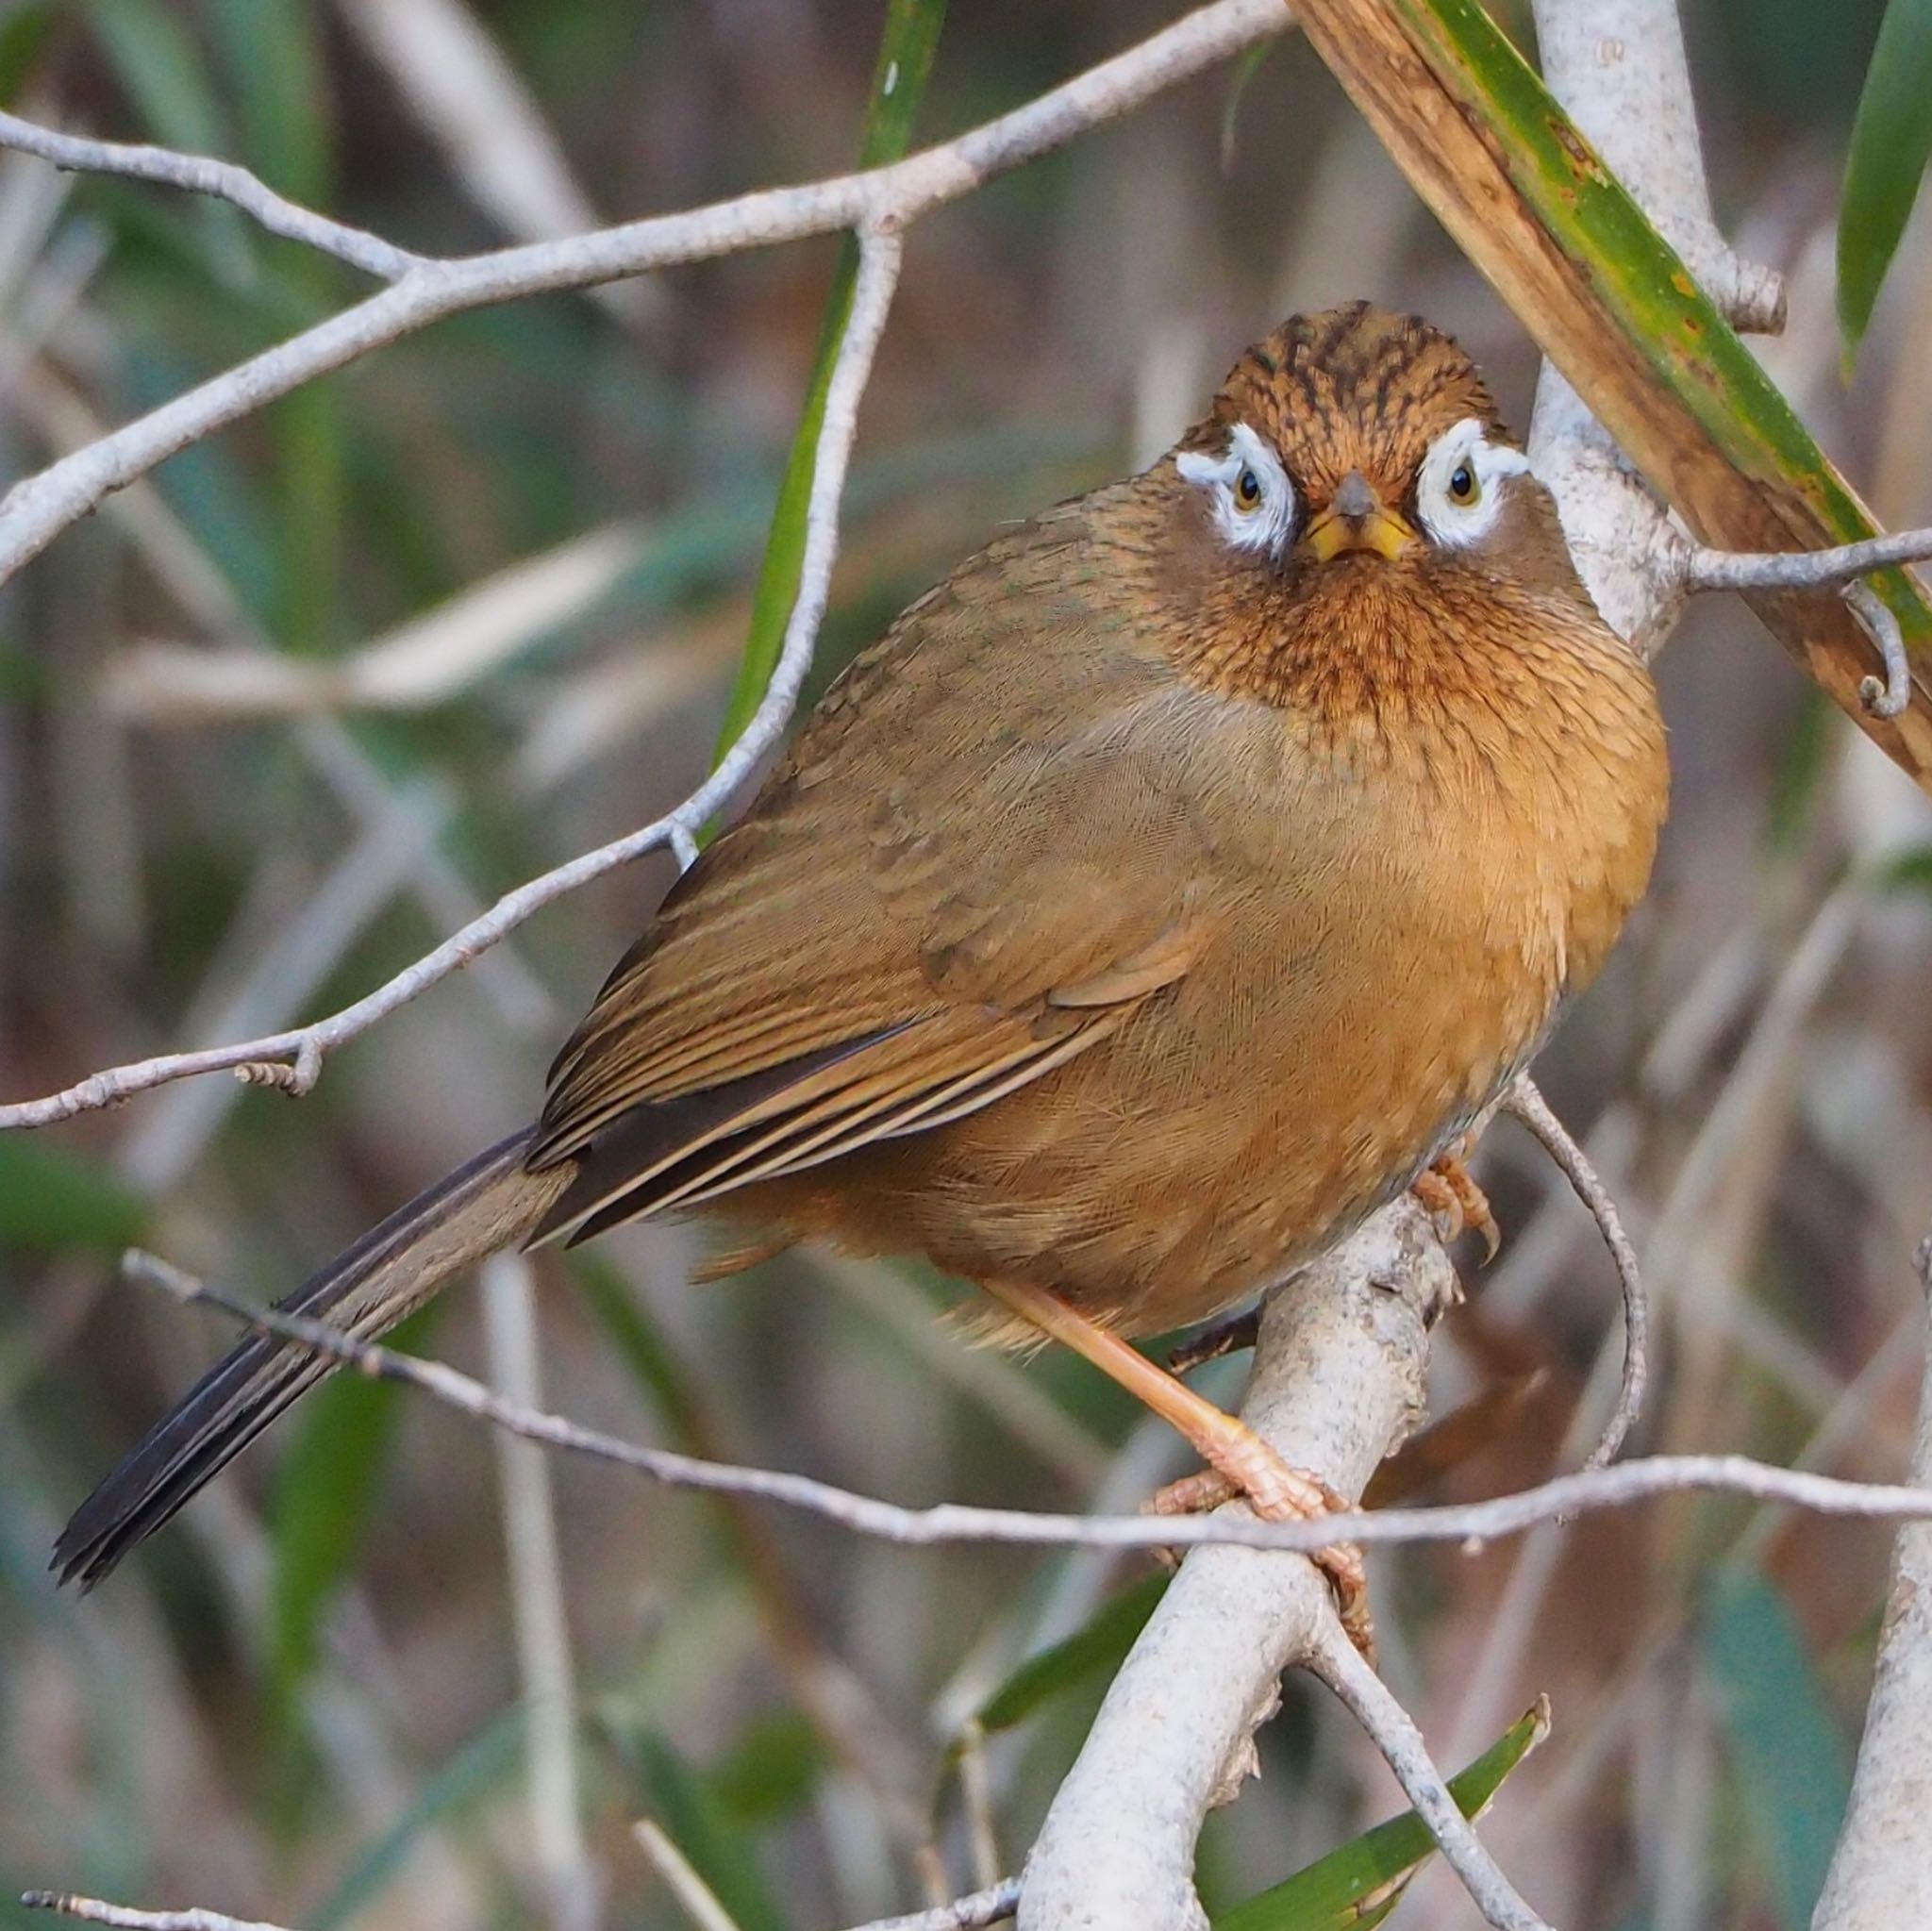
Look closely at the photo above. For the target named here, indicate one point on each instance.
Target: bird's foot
(1242, 1467)
(1232, 1450)
(1451, 1198)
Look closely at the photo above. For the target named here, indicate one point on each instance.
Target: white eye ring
(1248, 492)
(1458, 492)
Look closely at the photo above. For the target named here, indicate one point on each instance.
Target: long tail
(389, 1273)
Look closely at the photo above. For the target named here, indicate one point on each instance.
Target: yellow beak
(1356, 519)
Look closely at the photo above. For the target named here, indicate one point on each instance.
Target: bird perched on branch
(1168, 889)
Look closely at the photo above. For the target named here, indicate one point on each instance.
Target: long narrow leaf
(1609, 302)
(1097, 1647)
(1892, 142)
(1361, 1882)
(719, 1852)
(1790, 1763)
(906, 50)
(326, 1490)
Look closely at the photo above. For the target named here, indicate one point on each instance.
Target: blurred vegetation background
(273, 725)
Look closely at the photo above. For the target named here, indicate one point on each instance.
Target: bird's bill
(1381, 530)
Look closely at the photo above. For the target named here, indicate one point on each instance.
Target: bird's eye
(1246, 492)
(1464, 484)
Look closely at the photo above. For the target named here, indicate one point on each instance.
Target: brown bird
(1167, 889)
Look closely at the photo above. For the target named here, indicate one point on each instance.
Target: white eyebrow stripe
(1450, 526)
(1266, 528)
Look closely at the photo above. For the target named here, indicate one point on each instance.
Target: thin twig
(699, 1902)
(1700, 569)
(1473, 1522)
(878, 205)
(97, 1911)
(41, 506)
(1526, 1103)
(204, 174)
(1888, 696)
(1372, 1704)
(567, 1876)
(307, 1045)
(973, 1913)
(992, 1905)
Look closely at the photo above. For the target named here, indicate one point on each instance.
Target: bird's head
(1357, 439)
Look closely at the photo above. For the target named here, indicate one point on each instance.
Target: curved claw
(1451, 1198)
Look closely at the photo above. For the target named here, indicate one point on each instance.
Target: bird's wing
(954, 884)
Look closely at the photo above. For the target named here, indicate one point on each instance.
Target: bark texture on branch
(1881, 1872)
(1338, 1382)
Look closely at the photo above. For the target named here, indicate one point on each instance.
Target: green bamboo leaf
(1892, 142)
(771, 1770)
(1536, 211)
(906, 50)
(1093, 1650)
(695, 1822)
(326, 1490)
(1361, 1882)
(50, 1200)
(23, 34)
(484, 1764)
(1789, 1760)
(1910, 871)
(154, 56)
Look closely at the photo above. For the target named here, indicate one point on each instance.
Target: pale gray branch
(1472, 1522)
(1526, 1103)
(878, 205)
(1705, 569)
(1619, 68)
(97, 1911)
(1374, 1707)
(1338, 1381)
(1888, 696)
(994, 1906)
(268, 1060)
(957, 1523)
(204, 174)
(40, 508)
(1881, 1871)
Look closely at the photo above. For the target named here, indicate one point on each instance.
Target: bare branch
(1890, 696)
(38, 509)
(255, 1059)
(697, 1899)
(1473, 1522)
(1702, 569)
(1620, 70)
(203, 175)
(1881, 1871)
(990, 1906)
(1372, 1704)
(96, 1911)
(877, 204)
(971, 1913)
(1528, 1104)
(1601, 57)
(1339, 1378)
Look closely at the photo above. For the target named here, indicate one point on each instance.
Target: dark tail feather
(389, 1273)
